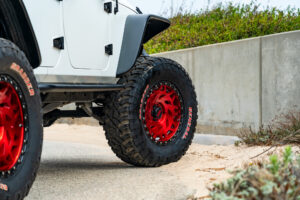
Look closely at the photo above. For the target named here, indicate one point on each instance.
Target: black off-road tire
(124, 126)
(15, 69)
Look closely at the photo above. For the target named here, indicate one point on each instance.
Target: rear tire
(20, 106)
(152, 121)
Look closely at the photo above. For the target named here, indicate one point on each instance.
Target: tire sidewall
(25, 171)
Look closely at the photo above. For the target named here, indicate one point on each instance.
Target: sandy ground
(197, 170)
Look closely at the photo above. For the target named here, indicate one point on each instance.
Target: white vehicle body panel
(87, 31)
(83, 60)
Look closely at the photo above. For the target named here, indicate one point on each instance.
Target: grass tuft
(285, 130)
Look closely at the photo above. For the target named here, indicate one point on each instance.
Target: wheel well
(16, 27)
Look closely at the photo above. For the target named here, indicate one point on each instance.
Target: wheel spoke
(2, 140)
(171, 97)
(11, 115)
(3, 96)
(155, 131)
(7, 147)
(7, 98)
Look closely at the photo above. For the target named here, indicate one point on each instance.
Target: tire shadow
(65, 164)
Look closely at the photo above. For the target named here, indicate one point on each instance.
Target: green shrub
(285, 130)
(278, 179)
(221, 24)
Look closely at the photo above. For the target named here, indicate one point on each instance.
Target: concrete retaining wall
(243, 83)
(280, 74)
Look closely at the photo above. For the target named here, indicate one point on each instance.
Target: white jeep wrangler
(87, 52)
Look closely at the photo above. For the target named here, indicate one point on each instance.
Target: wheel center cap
(156, 112)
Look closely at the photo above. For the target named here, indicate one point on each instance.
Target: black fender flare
(139, 29)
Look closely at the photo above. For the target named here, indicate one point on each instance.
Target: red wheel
(162, 112)
(11, 126)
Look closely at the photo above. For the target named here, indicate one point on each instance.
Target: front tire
(152, 121)
(21, 131)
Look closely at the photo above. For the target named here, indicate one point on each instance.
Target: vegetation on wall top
(222, 24)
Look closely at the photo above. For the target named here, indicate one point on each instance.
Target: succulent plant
(278, 179)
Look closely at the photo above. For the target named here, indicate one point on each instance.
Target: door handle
(117, 7)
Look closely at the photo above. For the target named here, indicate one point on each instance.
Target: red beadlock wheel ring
(11, 126)
(162, 112)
